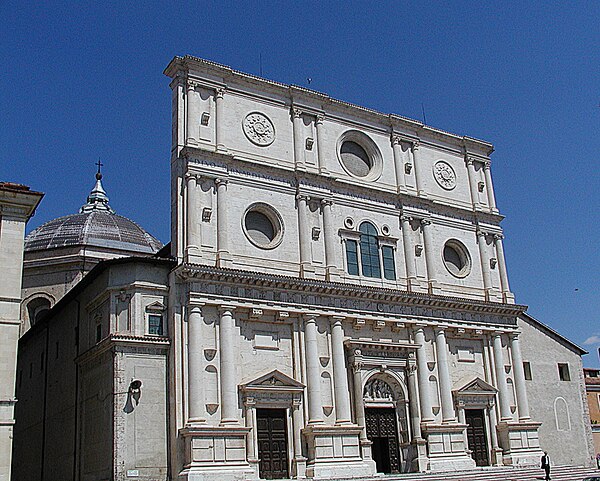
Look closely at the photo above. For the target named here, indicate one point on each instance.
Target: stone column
(485, 262)
(228, 356)
(219, 125)
(313, 370)
(415, 417)
(304, 232)
(419, 174)
(359, 405)
(430, 258)
(489, 186)
(250, 405)
(297, 426)
(409, 249)
(441, 349)
(423, 376)
(519, 375)
(496, 450)
(505, 414)
(501, 264)
(196, 412)
(298, 138)
(320, 140)
(331, 238)
(472, 181)
(222, 228)
(399, 162)
(340, 373)
(193, 114)
(192, 214)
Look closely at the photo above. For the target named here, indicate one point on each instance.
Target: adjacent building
(592, 387)
(17, 205)
(334, 302)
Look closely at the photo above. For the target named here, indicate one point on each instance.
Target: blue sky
(83, 81)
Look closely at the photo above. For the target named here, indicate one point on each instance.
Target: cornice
(378, 294)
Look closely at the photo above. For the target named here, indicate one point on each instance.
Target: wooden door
(476, 436)
(272, 443)
(382, 430)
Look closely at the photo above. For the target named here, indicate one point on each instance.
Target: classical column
(297, 427)
(196, 411)
(340, 374)
(419, 174)
(193, 113)
(485, 261)
(415, 418)
(501, 263)
(250, 405)
(472, 174)
(228, 356)
(219, 127)
(494, 436)
(505, 414)
(331, 238)
(430, 258)
(222, 228)
(313, 370)
(423, 376)
(399, 162)
(489, 186)
(304, 230)
(441, 349)
(519, 375)
(359, 402)
(193, 213)
(409, 250)
(298, 138)
(320, 140)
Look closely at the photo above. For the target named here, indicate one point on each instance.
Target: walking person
(546, 465)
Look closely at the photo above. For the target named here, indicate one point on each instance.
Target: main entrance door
(272, 443)
(382, 431)
(476, 436)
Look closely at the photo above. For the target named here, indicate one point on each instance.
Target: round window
(355, 158)
(263, 226)
(359, 155)
(456, 258)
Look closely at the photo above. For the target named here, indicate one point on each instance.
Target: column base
(223, 259)
(216, 453)
(335, 452)
(446, 446)
(520, 442)
(307, 270)
(420, 461)
(299, 467)
(193, 255)
(333, 274)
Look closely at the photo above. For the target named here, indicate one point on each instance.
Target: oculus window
(456, 258)
(263, 226)
(355, 158)
(359, 155)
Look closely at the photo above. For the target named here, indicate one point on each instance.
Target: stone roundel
(444, 175)
(259, 129)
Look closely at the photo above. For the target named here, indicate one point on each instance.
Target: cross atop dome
(97, 200)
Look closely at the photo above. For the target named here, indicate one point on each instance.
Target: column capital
(406, 218)
(192, 84)
(303, 197)
(396, 139)
(319, 119)
(326, 202)
(219, 181)
(514, 336)
(425, 222)
(440, 329)
(219, 92)
(495, 334)
(296, 112)
(338, 318)
(226, 308)
(415, 145)
(309, 316)
(498, 237)
(480, 232)
(487, 164)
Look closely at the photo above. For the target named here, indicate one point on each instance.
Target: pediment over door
(273, 381)
(475, 393)
(477, 386)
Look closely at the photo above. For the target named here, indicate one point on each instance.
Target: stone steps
(559, 473)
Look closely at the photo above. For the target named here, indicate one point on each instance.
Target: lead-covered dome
(96, 225)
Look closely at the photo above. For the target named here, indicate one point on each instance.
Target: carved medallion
(444, 175)
(259, 129)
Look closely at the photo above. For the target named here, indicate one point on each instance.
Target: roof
(558, 337)
(96, 225)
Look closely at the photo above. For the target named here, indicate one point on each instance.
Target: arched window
(369, 251)
(36, 309)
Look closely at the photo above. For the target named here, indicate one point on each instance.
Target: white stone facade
(336, 304)
(17, 205)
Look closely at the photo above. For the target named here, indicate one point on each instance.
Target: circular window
(359, 155)
(263, 226)
(456, 258)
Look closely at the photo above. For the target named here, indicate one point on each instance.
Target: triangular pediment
(156, 306)
(476, 386)
(273, 380)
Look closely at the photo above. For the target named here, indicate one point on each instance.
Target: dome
(96, 225)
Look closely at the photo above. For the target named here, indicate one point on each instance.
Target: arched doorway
(386, 423)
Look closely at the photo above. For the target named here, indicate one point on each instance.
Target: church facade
(335, 304)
